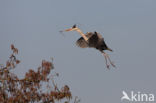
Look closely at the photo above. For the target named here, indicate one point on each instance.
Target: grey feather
(81, 42)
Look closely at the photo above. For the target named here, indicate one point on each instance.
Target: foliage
(30, 88)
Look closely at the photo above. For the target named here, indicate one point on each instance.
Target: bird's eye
(74, 26)
(95, 32)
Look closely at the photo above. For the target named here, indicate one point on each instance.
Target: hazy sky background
(128, 26)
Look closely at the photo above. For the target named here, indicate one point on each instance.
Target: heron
(92, 40)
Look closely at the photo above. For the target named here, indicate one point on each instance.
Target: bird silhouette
(92, 40)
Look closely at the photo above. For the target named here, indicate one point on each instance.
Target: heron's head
(73, 28)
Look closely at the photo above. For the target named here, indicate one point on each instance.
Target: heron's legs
(110, 60)
(107, 57)
(106, 60)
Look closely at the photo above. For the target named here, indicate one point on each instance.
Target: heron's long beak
(70, 29)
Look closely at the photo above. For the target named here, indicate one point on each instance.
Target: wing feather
(92, 40)
(81, 43)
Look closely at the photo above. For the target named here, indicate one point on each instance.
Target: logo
(137, 97)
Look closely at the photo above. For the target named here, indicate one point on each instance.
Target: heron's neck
(83, 35)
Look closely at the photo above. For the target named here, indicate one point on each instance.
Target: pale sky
(128, 27)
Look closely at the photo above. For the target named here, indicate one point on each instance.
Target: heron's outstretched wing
(81, 43)
(92, 40)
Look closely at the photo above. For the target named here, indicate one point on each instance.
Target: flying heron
(92, 40)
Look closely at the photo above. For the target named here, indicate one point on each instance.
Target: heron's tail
(110, 49)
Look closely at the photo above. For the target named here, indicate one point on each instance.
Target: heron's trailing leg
(106, 60)
(107, 57)
(110, 60)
